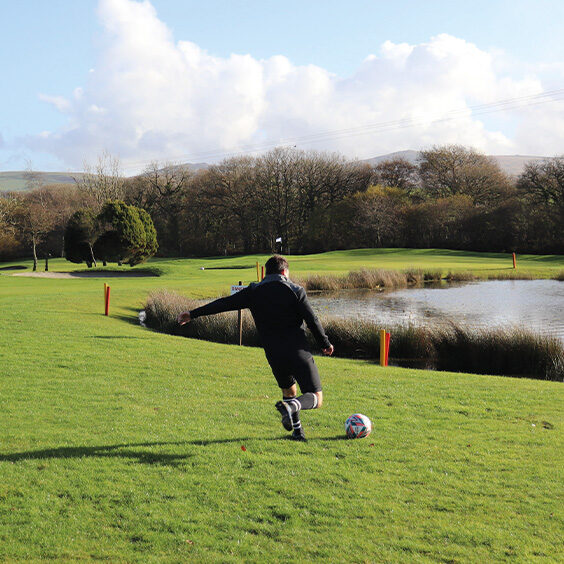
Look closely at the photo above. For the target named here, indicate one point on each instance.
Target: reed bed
(511, 275)
(461, 277)
(371, 279)
(508, 352)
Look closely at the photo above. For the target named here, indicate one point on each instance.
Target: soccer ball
(358, 426)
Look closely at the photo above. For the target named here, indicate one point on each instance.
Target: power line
(507, 104)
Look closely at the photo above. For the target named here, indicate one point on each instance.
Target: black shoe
(286, 413)
(298, 436)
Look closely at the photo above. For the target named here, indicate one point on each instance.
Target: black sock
(296, 423)
(308, 400)
(293, 404)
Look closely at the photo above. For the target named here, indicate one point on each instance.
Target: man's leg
(304, 368)
(285, 406)
(293, 405)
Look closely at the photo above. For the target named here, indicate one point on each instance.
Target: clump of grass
(321, 282)
(508, 352)
(461, 277)
(414, 276)
(369, 279)
(511, 275)
(352, 338)
(162, 309)
(433, 275)
(560, 276)
(372, 279)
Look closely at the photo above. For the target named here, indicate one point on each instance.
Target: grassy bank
(507, 352)
(123, 444)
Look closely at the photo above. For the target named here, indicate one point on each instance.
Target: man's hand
(183, 318)
(329, 350)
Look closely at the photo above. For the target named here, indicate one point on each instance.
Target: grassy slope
(15, 180)
(121, 443)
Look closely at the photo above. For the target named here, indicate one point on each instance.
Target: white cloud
(151, 98)
(61, 103)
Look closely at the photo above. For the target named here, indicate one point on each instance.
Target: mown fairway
(122, 444)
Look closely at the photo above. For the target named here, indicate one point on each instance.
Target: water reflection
(535, 304)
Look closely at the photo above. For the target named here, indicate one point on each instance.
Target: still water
(534, 304)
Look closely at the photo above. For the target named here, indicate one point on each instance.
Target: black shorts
(295, 366)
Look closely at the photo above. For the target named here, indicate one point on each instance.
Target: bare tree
(544, 182)
(232, 192)
(397, 173)
(454, 169)
(104, 181)
(160, 189)
(33, 180)
(33, 218)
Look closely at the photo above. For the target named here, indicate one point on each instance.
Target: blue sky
(158, 81)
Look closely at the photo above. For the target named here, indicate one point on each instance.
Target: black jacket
(279, 308)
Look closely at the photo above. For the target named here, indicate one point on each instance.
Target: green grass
(121, 444)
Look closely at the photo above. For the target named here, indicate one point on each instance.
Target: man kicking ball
(279, 308)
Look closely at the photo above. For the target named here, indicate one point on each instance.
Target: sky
(192, 81)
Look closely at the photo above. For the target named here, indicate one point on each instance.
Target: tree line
(453, 197)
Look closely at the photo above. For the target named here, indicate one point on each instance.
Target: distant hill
(14, 181)
(513, 165)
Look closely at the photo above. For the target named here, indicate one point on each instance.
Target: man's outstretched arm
(240, 300)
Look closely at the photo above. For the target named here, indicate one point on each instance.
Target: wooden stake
(258, 277)
(387, 348)
(514, 261)
(240, 321)
(262, 272)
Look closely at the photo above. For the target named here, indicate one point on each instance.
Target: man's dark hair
(276, 264)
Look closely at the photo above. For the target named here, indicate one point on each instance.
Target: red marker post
(384, 347)
(514, 261)
(107, 309)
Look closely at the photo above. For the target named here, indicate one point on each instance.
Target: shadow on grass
(132, 319)
(129, 451)
(15, 267)
(132, 452)
(113, 337)
(110, 451)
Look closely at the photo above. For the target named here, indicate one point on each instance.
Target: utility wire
(394, 125)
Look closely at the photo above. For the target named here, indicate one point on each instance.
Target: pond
(534, 304)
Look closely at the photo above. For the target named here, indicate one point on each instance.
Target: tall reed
(368, 278)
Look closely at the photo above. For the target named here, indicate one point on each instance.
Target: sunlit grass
(122, 444)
